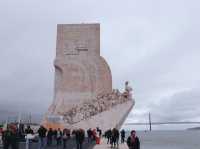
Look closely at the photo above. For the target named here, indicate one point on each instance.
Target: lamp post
(150, 121)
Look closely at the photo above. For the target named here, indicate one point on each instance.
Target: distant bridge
(162, 123)
(150, 123)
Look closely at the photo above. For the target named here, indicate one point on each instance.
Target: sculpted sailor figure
(128, 90)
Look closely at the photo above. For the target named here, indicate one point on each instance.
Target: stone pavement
(71, 144)
(103, 145)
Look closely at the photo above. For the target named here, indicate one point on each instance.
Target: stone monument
(83, 95)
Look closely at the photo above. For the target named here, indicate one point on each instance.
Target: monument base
(114, 117)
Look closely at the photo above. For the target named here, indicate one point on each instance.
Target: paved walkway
(71, 144)
(103, 145)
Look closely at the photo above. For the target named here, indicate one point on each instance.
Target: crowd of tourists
(59, 138)
(49, 138)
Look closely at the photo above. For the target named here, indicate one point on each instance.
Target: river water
(170, 139)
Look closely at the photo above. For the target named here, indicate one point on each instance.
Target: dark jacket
(42, 132)
(108, 133)
(59, 134)
(133, 145)
(123, 133)
(80, 136)
(50, 134)
(29, 131)
(10, 138)
(115, 135)
(89, 133)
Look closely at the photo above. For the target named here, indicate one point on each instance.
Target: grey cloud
(153, 44)
(181, 106)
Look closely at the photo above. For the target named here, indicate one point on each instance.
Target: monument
(83, 94)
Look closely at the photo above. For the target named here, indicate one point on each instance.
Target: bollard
(1, 141)
(27, 143)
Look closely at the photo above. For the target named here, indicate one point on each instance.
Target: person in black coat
(89, 134)
(65, 137)
(10, 138)
(42, 135)
(133, 141)
(108, 135)
(80, 136)
(50, 137)
(122, 132)
(115, 137)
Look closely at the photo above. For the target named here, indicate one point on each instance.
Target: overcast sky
(152, 43)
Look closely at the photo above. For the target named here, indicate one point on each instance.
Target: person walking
(80, 136)
(49, 137)
(99, 131)
(89, 135)
(108, 135)
(10, 138)
(42, 135)
(54, 142)
(122, 132)
(94, 134)
(59, 137)
(133, 141)
(65, 136)
(115, 137)
(28, 132)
